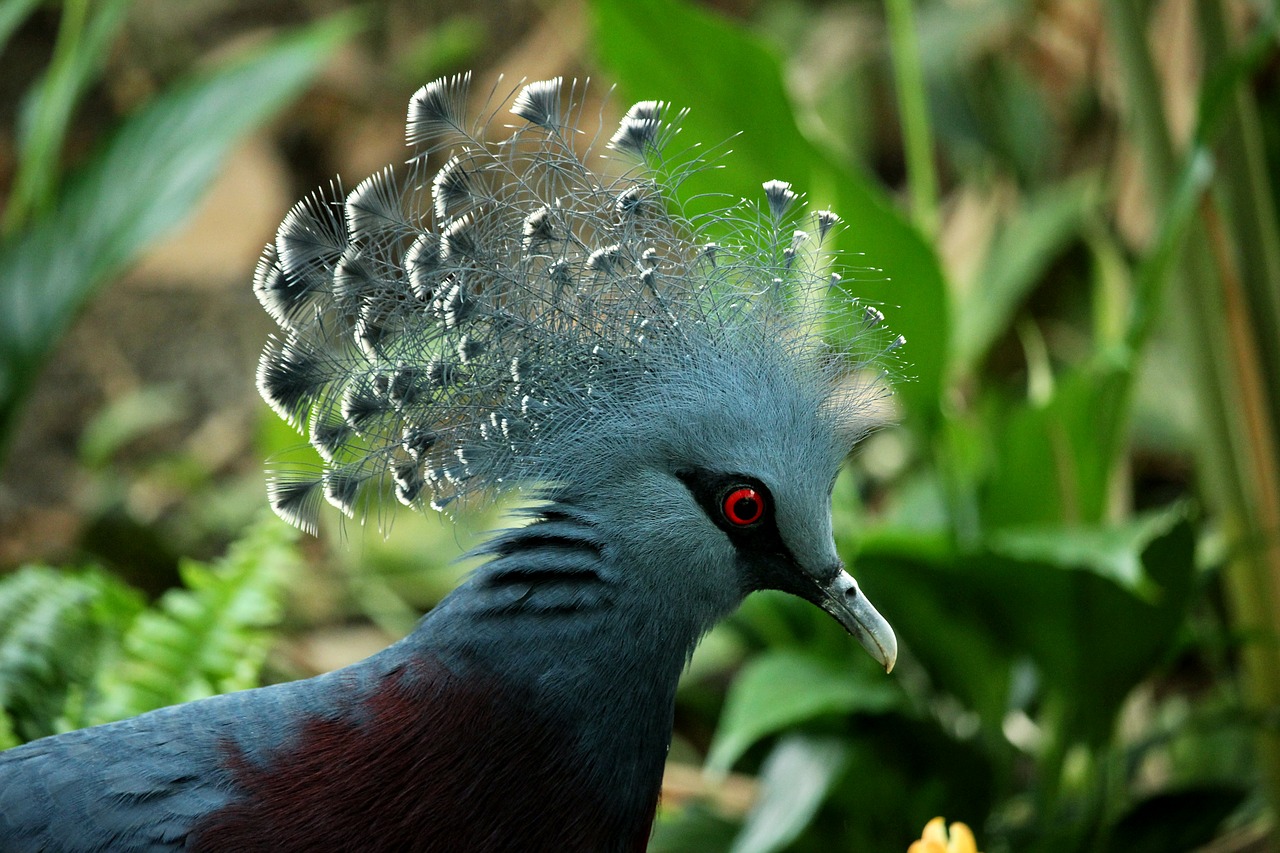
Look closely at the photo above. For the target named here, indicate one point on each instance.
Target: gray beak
(841, 598)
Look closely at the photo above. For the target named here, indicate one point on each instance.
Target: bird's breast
(433, 760)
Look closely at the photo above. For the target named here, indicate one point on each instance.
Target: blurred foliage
(1037, 606)
(1073, 529)
(78, 648)
(62, 238)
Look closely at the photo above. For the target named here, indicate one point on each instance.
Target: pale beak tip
(851, 608)
(882, 643)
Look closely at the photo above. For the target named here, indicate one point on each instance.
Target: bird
(668, 387)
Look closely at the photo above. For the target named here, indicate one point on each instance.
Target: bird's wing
(139, 784)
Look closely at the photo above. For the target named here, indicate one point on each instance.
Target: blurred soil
(184, 319)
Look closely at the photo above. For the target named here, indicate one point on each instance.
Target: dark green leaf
(1114, 553)
(966, 615)
(694, 827)
(782, 689)
(919, 585)
(901, 772)
(12, 14)
(1055, 459)
(1175, 820)
(733, 84)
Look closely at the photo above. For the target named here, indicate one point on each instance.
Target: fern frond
(210, 637)
(57, 627)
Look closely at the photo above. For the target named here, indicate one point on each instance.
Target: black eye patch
(741, 506)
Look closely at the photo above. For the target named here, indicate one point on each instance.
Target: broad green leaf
(782, 689)
(1053, 461)
(1114, 553)
(918, 584)
(143, 183)
(794, 781)
(733, 84)
(967, 615)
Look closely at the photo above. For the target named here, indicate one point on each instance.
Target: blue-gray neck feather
(565, 610)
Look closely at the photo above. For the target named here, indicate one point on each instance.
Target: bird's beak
(841, 598)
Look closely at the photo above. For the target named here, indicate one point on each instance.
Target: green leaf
(782, 689)
(128, 418)
(732, 83)
(1114, 553)
(918, 584)
(694, 827)
(1054, 460)
(1175, 820)
(794, 781)
(447, 45)
(143, 183)
(85, 36)
(211, 637)
(1017, 258)
(949, 32)
(1155, 273)
(967, 615)
(8, 737)
(56, 628)
(901, 771)
(12, 14)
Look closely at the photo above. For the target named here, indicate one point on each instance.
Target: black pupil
(745, 508)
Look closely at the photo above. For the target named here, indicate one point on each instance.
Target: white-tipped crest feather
(515, 316)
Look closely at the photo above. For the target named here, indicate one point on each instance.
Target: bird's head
(693, 383)
(714, 472)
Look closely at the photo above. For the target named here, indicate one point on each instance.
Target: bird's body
(680, 425)
(378, 755)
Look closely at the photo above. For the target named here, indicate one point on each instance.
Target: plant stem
(1239, 461)
(33, 187)
(1248, 269)
(922, 179)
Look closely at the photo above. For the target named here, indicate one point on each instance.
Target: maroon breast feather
(430, 762)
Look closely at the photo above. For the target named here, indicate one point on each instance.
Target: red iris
(743, 506)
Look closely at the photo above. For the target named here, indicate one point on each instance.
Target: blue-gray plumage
(661, 387)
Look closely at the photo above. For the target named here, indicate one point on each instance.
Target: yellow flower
(934, 839)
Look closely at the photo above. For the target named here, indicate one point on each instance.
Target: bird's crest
(446, 335)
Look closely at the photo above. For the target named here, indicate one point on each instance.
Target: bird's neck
(534, 703)
(559, 604)
(571, 603)
(584, 637)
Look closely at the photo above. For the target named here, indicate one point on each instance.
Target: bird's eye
(742, 506)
